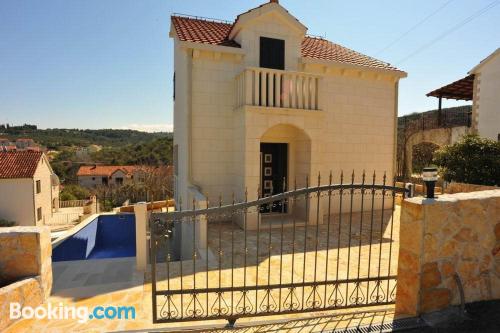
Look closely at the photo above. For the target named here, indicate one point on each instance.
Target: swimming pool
(107, 236)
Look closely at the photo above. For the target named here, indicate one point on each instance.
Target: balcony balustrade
(277, 89)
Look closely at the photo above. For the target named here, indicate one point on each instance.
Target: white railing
(64, 219)
(72, 203)
(278, 89)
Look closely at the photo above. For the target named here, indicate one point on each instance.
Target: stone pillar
(410, 250)
(452, 234)
(26, 268)
(141, 243)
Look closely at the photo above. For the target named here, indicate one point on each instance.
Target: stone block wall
(466, 188)
(455, 233)
(25, 268)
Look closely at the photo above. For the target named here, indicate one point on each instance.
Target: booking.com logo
(82, 313)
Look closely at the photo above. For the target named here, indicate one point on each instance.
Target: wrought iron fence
(330, 247)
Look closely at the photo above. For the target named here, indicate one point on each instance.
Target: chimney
(275, 1)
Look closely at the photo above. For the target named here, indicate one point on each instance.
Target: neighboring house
(6, 145)
(257, 101)
(23, 143)
(482, 87)
(83, 153)
(96, 175)
(29, 189)
(91, 176)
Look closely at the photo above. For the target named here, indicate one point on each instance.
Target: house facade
(486, 97)
(29, 189)
(481, 86)
(91, 176)
(259, 103)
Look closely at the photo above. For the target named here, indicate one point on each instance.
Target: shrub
(74, 192)
(471, 160)
(5, 223)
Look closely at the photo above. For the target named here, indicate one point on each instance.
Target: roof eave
(244, 18)
(211, 47)
(394, 72)
(484, 61)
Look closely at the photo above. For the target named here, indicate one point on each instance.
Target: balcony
(263, 87)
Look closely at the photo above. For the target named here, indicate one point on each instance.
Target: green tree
(74, 192)
(472, 160)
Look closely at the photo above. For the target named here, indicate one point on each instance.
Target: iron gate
(332, 249)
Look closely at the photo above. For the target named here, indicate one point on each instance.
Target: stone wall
(25, 268)
(466, 188)
(455, 233)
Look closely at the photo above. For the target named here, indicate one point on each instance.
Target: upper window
(272, 53)
(38, 186)
(39, 213)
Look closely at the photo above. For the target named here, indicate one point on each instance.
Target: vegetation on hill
(155, 152)
(472, 160)
(58, 138)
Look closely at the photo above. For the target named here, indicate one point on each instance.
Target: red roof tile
(318, 48)
(104, 170)
(203, 31)
(19, 164)
(216, 33)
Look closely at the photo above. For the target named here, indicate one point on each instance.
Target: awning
(459, 90)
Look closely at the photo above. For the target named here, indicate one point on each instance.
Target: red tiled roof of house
(216, 33)
(319, 48)
(105, 170)
(19, 164)
(203, 31)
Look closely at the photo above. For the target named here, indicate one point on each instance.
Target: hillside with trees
(58, 138)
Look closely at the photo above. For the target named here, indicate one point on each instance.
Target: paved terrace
(136, 291)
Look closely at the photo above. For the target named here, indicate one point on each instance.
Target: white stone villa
(29, 188)
(257, 101)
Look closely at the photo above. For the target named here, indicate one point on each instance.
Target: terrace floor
(369, 244)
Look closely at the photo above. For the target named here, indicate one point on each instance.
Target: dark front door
(274, 169)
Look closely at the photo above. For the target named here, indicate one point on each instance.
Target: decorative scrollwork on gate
(281, 261)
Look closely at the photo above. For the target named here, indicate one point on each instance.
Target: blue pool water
(108, 236)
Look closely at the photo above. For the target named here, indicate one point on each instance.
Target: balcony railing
(277, 89)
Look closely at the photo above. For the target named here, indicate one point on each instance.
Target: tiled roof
(104, 170)
(19, 164)
(203, 31)
(319, 48)
(216, 33)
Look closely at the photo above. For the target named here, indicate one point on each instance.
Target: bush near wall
(5, 223)
(471, 160)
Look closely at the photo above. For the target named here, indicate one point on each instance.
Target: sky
(109, 63)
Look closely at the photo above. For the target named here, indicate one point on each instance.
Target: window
(272, 53)
(93, 178)
(38, 186)
(174, 86)
(39, 213)
(105, 180)
(119, 181)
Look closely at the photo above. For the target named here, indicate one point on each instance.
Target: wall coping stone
(456, 197)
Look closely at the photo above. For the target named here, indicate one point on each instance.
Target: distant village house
(91, 176)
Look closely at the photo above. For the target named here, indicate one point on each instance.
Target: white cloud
(150, 127)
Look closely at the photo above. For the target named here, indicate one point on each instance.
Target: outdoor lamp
(430, 176)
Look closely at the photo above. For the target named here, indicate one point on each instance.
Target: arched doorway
(422, 154)
(285, 162)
